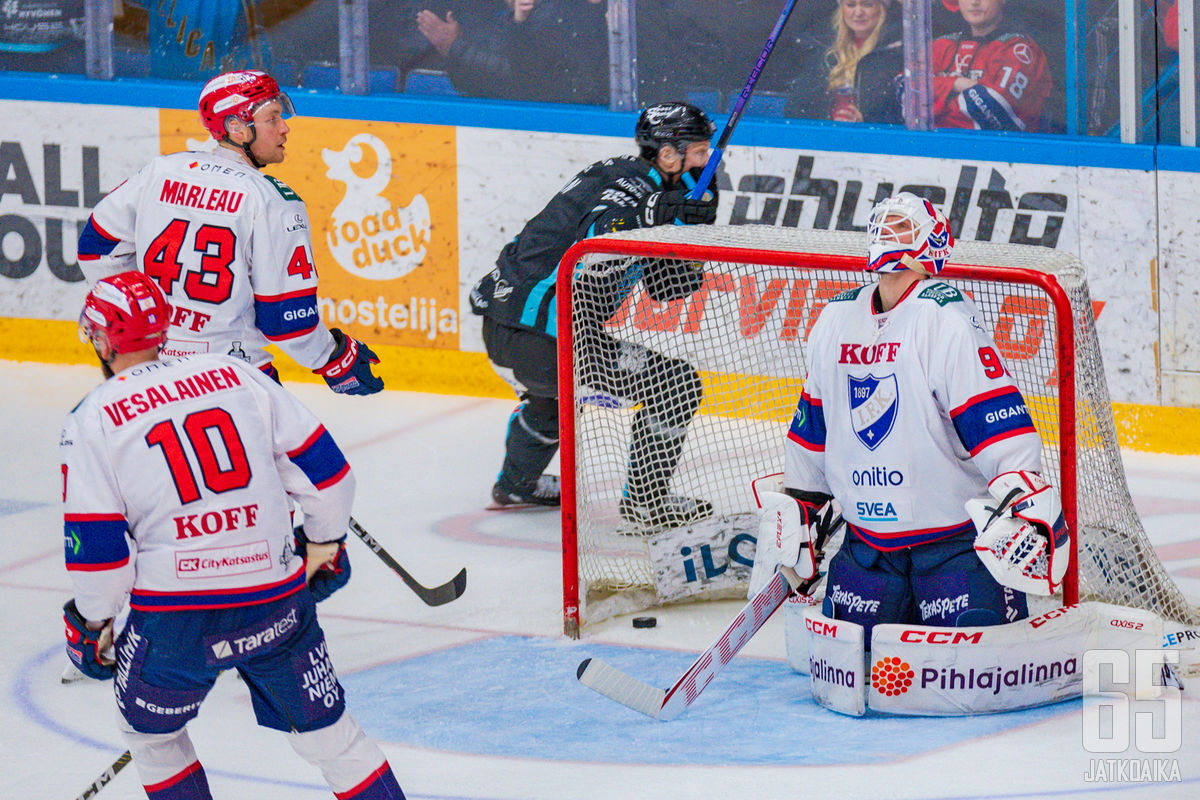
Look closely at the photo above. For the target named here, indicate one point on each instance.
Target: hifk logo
(939, 245)
(873, 405)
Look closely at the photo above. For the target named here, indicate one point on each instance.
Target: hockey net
(745, 330)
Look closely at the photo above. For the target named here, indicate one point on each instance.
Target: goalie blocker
(935, 671)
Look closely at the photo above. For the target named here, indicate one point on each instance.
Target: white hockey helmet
(907, 232)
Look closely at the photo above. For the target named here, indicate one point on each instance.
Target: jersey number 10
(199, 427)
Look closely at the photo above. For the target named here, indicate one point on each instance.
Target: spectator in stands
(990, 76)
(545, 50)
(825, 87)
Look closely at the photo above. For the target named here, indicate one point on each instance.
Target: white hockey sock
(345, 755)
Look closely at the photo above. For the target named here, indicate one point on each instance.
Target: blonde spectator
(826, 86)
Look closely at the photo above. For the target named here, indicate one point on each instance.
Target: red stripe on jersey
(234, 590)
(317, 434)
(325, 484)
(1000, 437)
(97, 567)
(275, 298)
(979, 398)
(293, 334)
(101, 231)
(94, 517)
(814, 448)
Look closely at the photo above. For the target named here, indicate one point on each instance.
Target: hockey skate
(546, 493)
(666, 511)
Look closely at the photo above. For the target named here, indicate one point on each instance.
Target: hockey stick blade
(667, 705)
(106, 776)
(624, 688)
(435, 596)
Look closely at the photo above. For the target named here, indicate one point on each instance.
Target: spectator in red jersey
(990, 76)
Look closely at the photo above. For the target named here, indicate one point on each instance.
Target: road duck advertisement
(382, 205)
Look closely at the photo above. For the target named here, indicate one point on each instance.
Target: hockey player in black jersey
(517, 302)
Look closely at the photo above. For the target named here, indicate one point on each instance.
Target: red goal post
(744, 331)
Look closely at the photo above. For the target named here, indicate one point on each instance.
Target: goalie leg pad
(953, 588)
(837, 667)
(867, 586)
(352, 764)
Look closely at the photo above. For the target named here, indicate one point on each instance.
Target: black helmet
(671, 123)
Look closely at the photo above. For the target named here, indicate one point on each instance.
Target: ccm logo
(1038, 622)
(821, 628)
(942, 637)
(1125, 623)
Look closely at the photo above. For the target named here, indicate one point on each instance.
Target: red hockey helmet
(128, 311)
(238, 94)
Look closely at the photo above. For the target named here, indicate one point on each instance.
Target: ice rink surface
(478, 698)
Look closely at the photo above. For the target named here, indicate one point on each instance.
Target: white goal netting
(742, 324)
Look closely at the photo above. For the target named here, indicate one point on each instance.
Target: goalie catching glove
(790, 535)
(1022, 538)
(348, 370)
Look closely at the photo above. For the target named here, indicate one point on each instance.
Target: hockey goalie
(910, 424)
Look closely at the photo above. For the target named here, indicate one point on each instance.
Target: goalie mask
(675, 124)
(907, 232)
(127, 312)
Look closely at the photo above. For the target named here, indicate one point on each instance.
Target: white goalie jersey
(187, 469)
(906, 415)
(229, 246)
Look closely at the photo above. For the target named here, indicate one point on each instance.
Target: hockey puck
(644, 622)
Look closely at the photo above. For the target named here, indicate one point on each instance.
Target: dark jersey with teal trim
(520, 291)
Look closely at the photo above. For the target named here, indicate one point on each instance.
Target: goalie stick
(106, 776)
(667, 704)
(436, 596)
(718, 151)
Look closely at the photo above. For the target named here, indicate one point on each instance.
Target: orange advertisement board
(382, 203)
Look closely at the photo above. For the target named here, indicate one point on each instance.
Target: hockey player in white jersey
(908, 413)
(179, 477)
(229, 245)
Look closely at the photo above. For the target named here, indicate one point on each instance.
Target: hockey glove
(661, 208)
(86, 647)
(330, 576)
(1022, 538)
(349, 368)
(791, 533)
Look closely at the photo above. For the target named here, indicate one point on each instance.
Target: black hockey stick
(438, 595)
(106, 776)
(718, 151)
